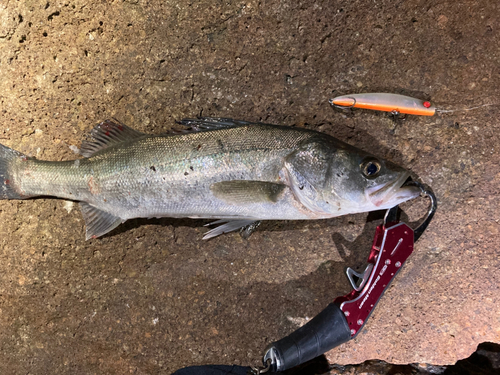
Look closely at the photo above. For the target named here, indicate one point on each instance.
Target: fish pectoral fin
(245, 191)
(211, 123)
(246, 225)
(106, 134)
(98, 222)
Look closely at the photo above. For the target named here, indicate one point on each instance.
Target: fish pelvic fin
(7, 183)
(107, 133)
(247, 226)
(98, 222)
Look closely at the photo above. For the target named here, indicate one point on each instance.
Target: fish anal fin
(245, 191)
(107, 133)
(98, 222)
(231, 225)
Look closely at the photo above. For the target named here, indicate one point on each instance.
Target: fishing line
(465, 109)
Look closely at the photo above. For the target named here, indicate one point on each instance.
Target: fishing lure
(393, 103)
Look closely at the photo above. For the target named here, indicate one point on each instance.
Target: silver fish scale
(171, 175)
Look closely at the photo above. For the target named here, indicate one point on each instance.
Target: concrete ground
(151, 296)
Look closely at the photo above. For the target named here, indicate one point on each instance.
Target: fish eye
(370, 168)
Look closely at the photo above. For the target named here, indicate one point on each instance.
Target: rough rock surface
(484, 361)
(152, 297)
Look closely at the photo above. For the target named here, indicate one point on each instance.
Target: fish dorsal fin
(245, 191)
(210, 123)
(98, 222)
(106, 134)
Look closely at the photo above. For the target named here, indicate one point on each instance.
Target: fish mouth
(390, 194)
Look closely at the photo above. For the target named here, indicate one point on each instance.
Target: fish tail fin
(7, 188)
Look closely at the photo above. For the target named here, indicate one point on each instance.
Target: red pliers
(345, 316)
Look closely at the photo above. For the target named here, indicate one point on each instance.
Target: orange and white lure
(394, 103)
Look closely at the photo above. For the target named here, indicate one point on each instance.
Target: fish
(236, 172)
